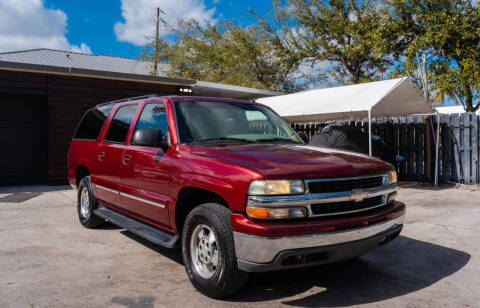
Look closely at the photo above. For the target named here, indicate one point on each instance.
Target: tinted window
(203, 121)
(153, 116)
(118, 129)
(91, 124)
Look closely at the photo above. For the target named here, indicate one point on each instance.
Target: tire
(85, 213)
(226, 278)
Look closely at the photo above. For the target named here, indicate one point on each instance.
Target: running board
(141, 229)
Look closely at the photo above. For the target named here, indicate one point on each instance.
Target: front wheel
(208, 251)
(86, 203)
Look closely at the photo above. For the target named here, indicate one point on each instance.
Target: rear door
(146, 169)
(110, 153)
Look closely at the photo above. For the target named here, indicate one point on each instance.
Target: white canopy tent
(386, 98)
(394, 97)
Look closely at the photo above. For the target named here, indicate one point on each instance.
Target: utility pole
(155, 48)
(424, 75)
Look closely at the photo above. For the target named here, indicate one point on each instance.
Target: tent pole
(437, 145)
(370, 132)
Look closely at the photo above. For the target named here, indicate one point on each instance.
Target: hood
(293, 161)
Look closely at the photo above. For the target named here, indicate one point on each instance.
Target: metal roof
(69, 59)
(102, 66)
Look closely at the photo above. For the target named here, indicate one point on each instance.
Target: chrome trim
(160, 205)
(107, 189)
(258, 249)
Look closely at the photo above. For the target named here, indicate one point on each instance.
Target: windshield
(199, 122)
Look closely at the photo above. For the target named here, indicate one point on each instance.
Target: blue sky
(95, 27)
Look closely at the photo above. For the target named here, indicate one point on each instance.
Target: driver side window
(154, 116)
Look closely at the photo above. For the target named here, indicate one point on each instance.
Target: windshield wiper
(223, 139)
(276, 139)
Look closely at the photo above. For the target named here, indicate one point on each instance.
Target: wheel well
(80, 174)
(191, 197)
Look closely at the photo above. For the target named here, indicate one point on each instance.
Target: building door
(23, 140)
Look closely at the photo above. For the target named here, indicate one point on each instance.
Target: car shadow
(400, 267)
(108, 226)
(173, 254)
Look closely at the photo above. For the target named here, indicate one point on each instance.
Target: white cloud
(138, 23)
(28, 24)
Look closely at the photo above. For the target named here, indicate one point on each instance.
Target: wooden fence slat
(403, 148)
(396, 141)
(410, 149)
(475, 148)
(446, 148)
(457, 148)
(465, 121)
(419, 147)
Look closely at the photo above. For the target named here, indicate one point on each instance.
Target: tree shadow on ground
(401, 267)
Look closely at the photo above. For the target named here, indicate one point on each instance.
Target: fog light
(276, 213)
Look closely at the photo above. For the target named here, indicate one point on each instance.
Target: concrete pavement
(47, 259)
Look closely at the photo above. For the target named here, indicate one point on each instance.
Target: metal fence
(414, 139)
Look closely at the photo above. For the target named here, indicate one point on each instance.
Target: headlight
(391, 177)
(276, 213)
(276, 187)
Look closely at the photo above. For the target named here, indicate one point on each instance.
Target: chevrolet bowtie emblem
(358, 195)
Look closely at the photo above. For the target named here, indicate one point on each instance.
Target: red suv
(232, 184)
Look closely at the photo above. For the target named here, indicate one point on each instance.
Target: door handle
(126, 159)
(101, 156)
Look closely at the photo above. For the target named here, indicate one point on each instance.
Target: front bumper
(257, 253)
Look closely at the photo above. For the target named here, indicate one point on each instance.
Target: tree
(448, 33)
(224, 52)
(341, 33)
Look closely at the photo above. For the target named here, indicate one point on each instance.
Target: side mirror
(149, 137)
(303, 136)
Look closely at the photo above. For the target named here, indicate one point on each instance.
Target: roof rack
(129, 99)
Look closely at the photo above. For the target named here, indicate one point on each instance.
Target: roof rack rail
(129, 99)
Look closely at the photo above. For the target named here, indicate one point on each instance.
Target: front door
(110, 155)
(146, 170)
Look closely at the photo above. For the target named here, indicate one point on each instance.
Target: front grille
(344, 185)
(345, 206)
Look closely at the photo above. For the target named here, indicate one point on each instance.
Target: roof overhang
(78, 72)
(201, 88)
(204, 88)
(388, 98)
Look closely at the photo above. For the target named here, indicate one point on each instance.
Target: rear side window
(153, 116)
(91, 124)
(118, 130)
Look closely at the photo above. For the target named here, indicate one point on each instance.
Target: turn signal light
(276, 213)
